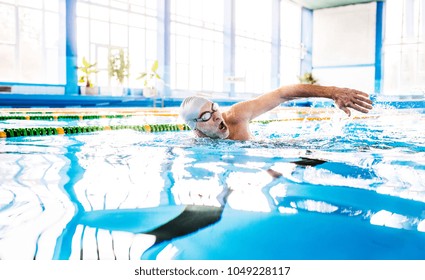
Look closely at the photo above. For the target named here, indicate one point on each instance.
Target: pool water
(328, 187)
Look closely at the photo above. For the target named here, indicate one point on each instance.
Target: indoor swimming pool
(312, 184)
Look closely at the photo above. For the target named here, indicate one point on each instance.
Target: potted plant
(87, 69)
(149, 79)
(307, 78)
(119, 68)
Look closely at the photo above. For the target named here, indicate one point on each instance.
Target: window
(106, 26)
(32, 41)
(196, 45)
(404, 46)
(253, 43)
(290, 42)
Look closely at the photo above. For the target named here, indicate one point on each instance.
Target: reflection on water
(302, 190)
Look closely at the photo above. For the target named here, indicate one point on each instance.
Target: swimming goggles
(206, 116)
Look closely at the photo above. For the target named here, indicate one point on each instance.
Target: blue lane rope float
(41, 131)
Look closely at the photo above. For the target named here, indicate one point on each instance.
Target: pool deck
(63, 101)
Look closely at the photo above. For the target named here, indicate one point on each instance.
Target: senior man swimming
(206, 120)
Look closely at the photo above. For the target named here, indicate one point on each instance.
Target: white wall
(344, 46)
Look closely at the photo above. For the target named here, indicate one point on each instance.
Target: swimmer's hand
(350, 98)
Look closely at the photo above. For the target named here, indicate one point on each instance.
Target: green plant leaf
(154, 66)
(86, 64)
(87, 69)
(142, 75)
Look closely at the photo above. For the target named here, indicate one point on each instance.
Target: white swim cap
(190, 108)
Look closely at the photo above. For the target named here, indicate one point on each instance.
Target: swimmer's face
(210, 122)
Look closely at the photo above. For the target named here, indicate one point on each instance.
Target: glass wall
(104, 27)
(196, 45)
(253, 43)
(404, 46)
(291, 50)
(32, 40)
(200, 43)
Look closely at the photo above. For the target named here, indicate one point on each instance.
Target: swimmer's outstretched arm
(344, 98)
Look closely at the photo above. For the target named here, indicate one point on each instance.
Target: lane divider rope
(77, 117)
(309, 119)
(41, 131)
(55, 116)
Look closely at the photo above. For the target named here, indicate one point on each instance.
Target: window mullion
(229, 46)
(275, 41)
